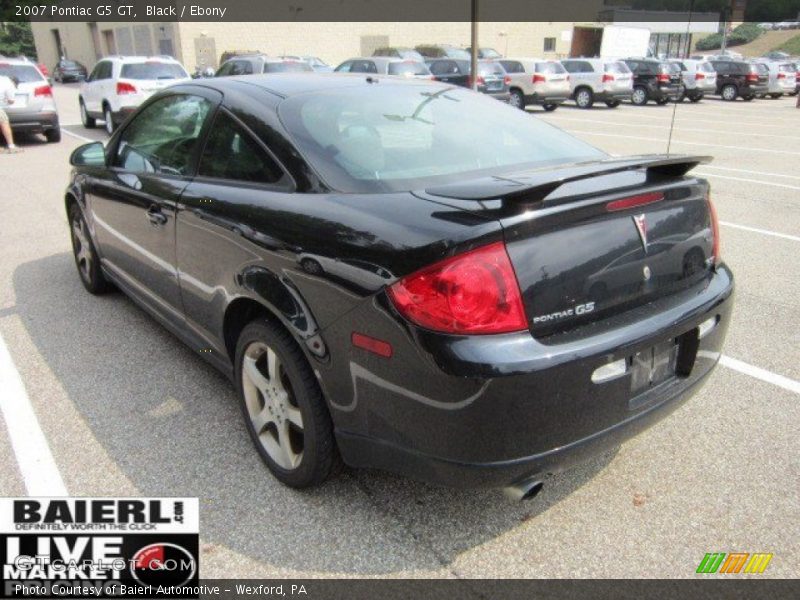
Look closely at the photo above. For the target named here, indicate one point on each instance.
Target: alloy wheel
(639, 96)
(729, 93)
(109, 121)
(515, 99)
(583, 99)
(271, 406)
(82, 249)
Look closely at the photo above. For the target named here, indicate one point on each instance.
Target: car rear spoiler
(535, 186)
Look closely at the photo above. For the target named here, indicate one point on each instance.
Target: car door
(133, 206)
(92, 92)
(231, 210)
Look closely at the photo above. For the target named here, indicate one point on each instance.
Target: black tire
(549, 107)
(729, 92)
(109, 119)
(319, 456)
(775, 96)
(88, 122)
(584, 98)
(662, 101)
(640, 96)
(696, 98)
(88, 263)
(612, 103)
(748, 98)
(516, 99)
(53, 135)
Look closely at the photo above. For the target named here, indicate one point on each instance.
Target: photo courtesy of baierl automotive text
(399, 299)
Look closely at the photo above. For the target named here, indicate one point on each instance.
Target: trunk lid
(608, 238)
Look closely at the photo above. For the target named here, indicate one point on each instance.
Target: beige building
(202, 44)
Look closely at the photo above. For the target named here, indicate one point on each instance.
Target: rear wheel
(283, 407)
(662, 101)
(775, 96)
(87, 121)
(53, 135)
(86, 258)
(516, 99)
(612, 103)
(550, 107)
(639, 97)
(584, 98)
(729, 92)
(748, 98)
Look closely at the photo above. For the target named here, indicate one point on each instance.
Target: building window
(550, 44)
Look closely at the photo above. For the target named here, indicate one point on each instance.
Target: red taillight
(481, 81)
(781, 75)
(699, 76)
(507, 79)
(371, 344)
(663, 78)
(43, 90)
(123, 87)
(538, 78)
(472, 293)
(712, 210)
(608, 77)
(633, 201)
(752, 77)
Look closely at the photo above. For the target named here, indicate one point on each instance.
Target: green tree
(16, 39)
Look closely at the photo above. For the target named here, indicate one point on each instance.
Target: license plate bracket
(654, 365)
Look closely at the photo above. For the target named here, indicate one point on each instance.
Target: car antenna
(675, 104)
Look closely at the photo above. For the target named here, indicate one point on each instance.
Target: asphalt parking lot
(127, 410)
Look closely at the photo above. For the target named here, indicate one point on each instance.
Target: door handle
(155, 215)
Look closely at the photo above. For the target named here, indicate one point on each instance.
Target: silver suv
(598, 79)
(782, 77)
(699, 78)
(34, 109)
(536, 81)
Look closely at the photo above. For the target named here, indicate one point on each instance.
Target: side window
(570, 66)
(345, 67)
(363, 66)
(225, 70)
(162, 137)
(439, 67)
(95, 72)
(586, 67)
(247, 67)
(102, 71)
(232, 153)
(512, 66)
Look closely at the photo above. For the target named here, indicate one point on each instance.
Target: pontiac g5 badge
(641, 226)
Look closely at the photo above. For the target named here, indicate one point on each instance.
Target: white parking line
(75, 135)
(759, 373)
(649, 139)
(751, 172)
(34, 459)
(784, 236)
(681, 116)
(759, 181)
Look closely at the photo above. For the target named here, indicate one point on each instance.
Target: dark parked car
(655, 80)
(69, 70)
(740, 79)
(393, 272)
(492, 77)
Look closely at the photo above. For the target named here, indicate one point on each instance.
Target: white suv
(119, 84)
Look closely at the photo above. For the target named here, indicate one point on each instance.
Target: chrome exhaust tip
(524, 490)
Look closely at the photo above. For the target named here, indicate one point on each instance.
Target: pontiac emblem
(641, 226)
(647, 273)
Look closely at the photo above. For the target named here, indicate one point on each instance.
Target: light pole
(474, 46)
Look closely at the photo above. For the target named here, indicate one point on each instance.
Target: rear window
(670, 68)
(491, 69)
(706, 67)
(761, 68)
(408, 67)
(287, 67)
(550, 68)
(398, 137)
(786, 68)
(616, 67)
(152, 70)
(69, 64)
(23, 73)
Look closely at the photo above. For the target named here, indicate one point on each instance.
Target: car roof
(139, 59)
(18, 62)
(385, 59)
(287, 85)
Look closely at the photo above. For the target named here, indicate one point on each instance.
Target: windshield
(286, 67)
(23, 73)
(408, 68)
(404, 137)
(152, 70)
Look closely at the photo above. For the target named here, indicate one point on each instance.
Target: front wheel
(283, 407)
(516, 99)
(109, 118)
(639, 97)
(86, 258)
(550, 107)
(88, 122)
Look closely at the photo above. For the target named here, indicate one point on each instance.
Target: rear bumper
(666, 92)
(492, 410)
(607, 96)
(547, 98)
(33, 122)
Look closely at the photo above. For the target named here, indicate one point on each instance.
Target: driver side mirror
(88, 155)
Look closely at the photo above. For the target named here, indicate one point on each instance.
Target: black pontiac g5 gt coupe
(407, 275)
